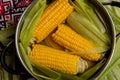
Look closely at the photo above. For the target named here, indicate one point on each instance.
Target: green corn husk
(115, 14)
(31, 13)
(110, 76)
(114, 61)
(106, 78)
(80, 9)
(75, 22)
(108, 69)
(89, 73)
(117, 11)
(5, 34)
(113, 72)
(115, 17)
(88, 11)
(42, 71)
(116, 72)
(86, 22)
(71, 77)
(30, 22)
(25, 57)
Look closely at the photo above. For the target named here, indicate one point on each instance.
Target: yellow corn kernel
(57, 60)
(71, 40)
(53, 15)
(51, 43)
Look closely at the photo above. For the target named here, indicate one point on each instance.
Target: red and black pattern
(11, 10)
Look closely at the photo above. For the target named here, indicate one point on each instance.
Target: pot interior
(101, 12)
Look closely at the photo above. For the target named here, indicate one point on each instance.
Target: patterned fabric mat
(10, 12)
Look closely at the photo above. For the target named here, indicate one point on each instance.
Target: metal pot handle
(17, 70)
(118, 35)
(112, 3)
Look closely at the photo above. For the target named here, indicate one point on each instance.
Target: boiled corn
(68, 38)
(53, 15)
(57, 60)
(51, 43)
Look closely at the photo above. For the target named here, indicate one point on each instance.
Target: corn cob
(57, 60)
(68, 38)
(51, 43)
(53, 15)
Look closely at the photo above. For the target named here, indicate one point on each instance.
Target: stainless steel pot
(101, 11)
